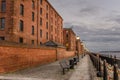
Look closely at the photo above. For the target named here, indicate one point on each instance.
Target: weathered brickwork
(50, 27)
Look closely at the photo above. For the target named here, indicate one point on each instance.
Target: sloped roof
(53, 44)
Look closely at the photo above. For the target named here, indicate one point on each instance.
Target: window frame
(41, 21)
(47, 35)
(33, 16)
(21, 25)
(2, 23)
(2, 38)
(21, 40)
(41, 11)
(41, 1)
(3, 6)
(41, 33)
(33, 30)
(33, 4)
(22, 9)
(33, 42)
(47, 25)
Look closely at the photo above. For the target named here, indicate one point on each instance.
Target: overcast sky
(97, 22)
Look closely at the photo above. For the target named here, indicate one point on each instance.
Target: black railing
(102, 65)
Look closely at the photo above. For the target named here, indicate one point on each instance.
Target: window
(33, 4)
(51, 20)
(3, 6)
(21, 25)
(32, 30)
(21, 9)
(55, 15)
(41, 11)
(33, 15)
(41, 33)
(55, 23)
(20, 40)
(41, 21)
(40, 43)
(66, 35)
(51, 28)
(46, 7)
(32, 41)
(41, 1)
(46, 25)
(2, 23)
(46, 15)
(55, 30)
(52, 37)
(47, 35)
(2, 38)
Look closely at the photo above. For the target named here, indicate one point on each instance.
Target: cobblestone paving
(83, 71)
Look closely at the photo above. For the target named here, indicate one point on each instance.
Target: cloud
(95, 21)
(89, 10)
(114, 18)
(98, 39)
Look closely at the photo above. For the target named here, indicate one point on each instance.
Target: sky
(97, 22)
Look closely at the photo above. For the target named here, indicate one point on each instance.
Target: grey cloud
(89, 10)
(114, 18)
(95, 21)
(97, 35)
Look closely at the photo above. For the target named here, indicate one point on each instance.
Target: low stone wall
(14, 58)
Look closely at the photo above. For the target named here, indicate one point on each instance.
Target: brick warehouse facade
(30, 22)
(69, 39)
(79, 46)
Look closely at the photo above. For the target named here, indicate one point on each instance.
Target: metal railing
(106, 67)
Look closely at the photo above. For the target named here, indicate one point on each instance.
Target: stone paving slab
(84, 71)
(53, 71)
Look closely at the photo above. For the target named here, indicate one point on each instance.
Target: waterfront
(111, 53)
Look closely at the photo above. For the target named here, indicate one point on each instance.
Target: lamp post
(77, 46)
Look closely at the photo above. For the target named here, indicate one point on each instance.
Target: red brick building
(30, 22)
(69, 38)
(79, 46)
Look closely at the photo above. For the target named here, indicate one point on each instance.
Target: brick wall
(14, 58)
(62, 53)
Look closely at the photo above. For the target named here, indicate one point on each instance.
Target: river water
(117, 54)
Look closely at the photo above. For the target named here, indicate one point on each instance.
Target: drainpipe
(37, 18)
(56, 54)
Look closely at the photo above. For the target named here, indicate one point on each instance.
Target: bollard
(97, 60)
(75, 60)
(104, 71)
(115, 73)
(71, 63)
(78, 58)
(115, 60)
(99, 74)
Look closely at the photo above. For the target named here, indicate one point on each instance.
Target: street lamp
(77, 46)
(78, 38)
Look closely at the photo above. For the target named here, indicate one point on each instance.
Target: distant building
(69, 39)
(30, 22)
(79, 46)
